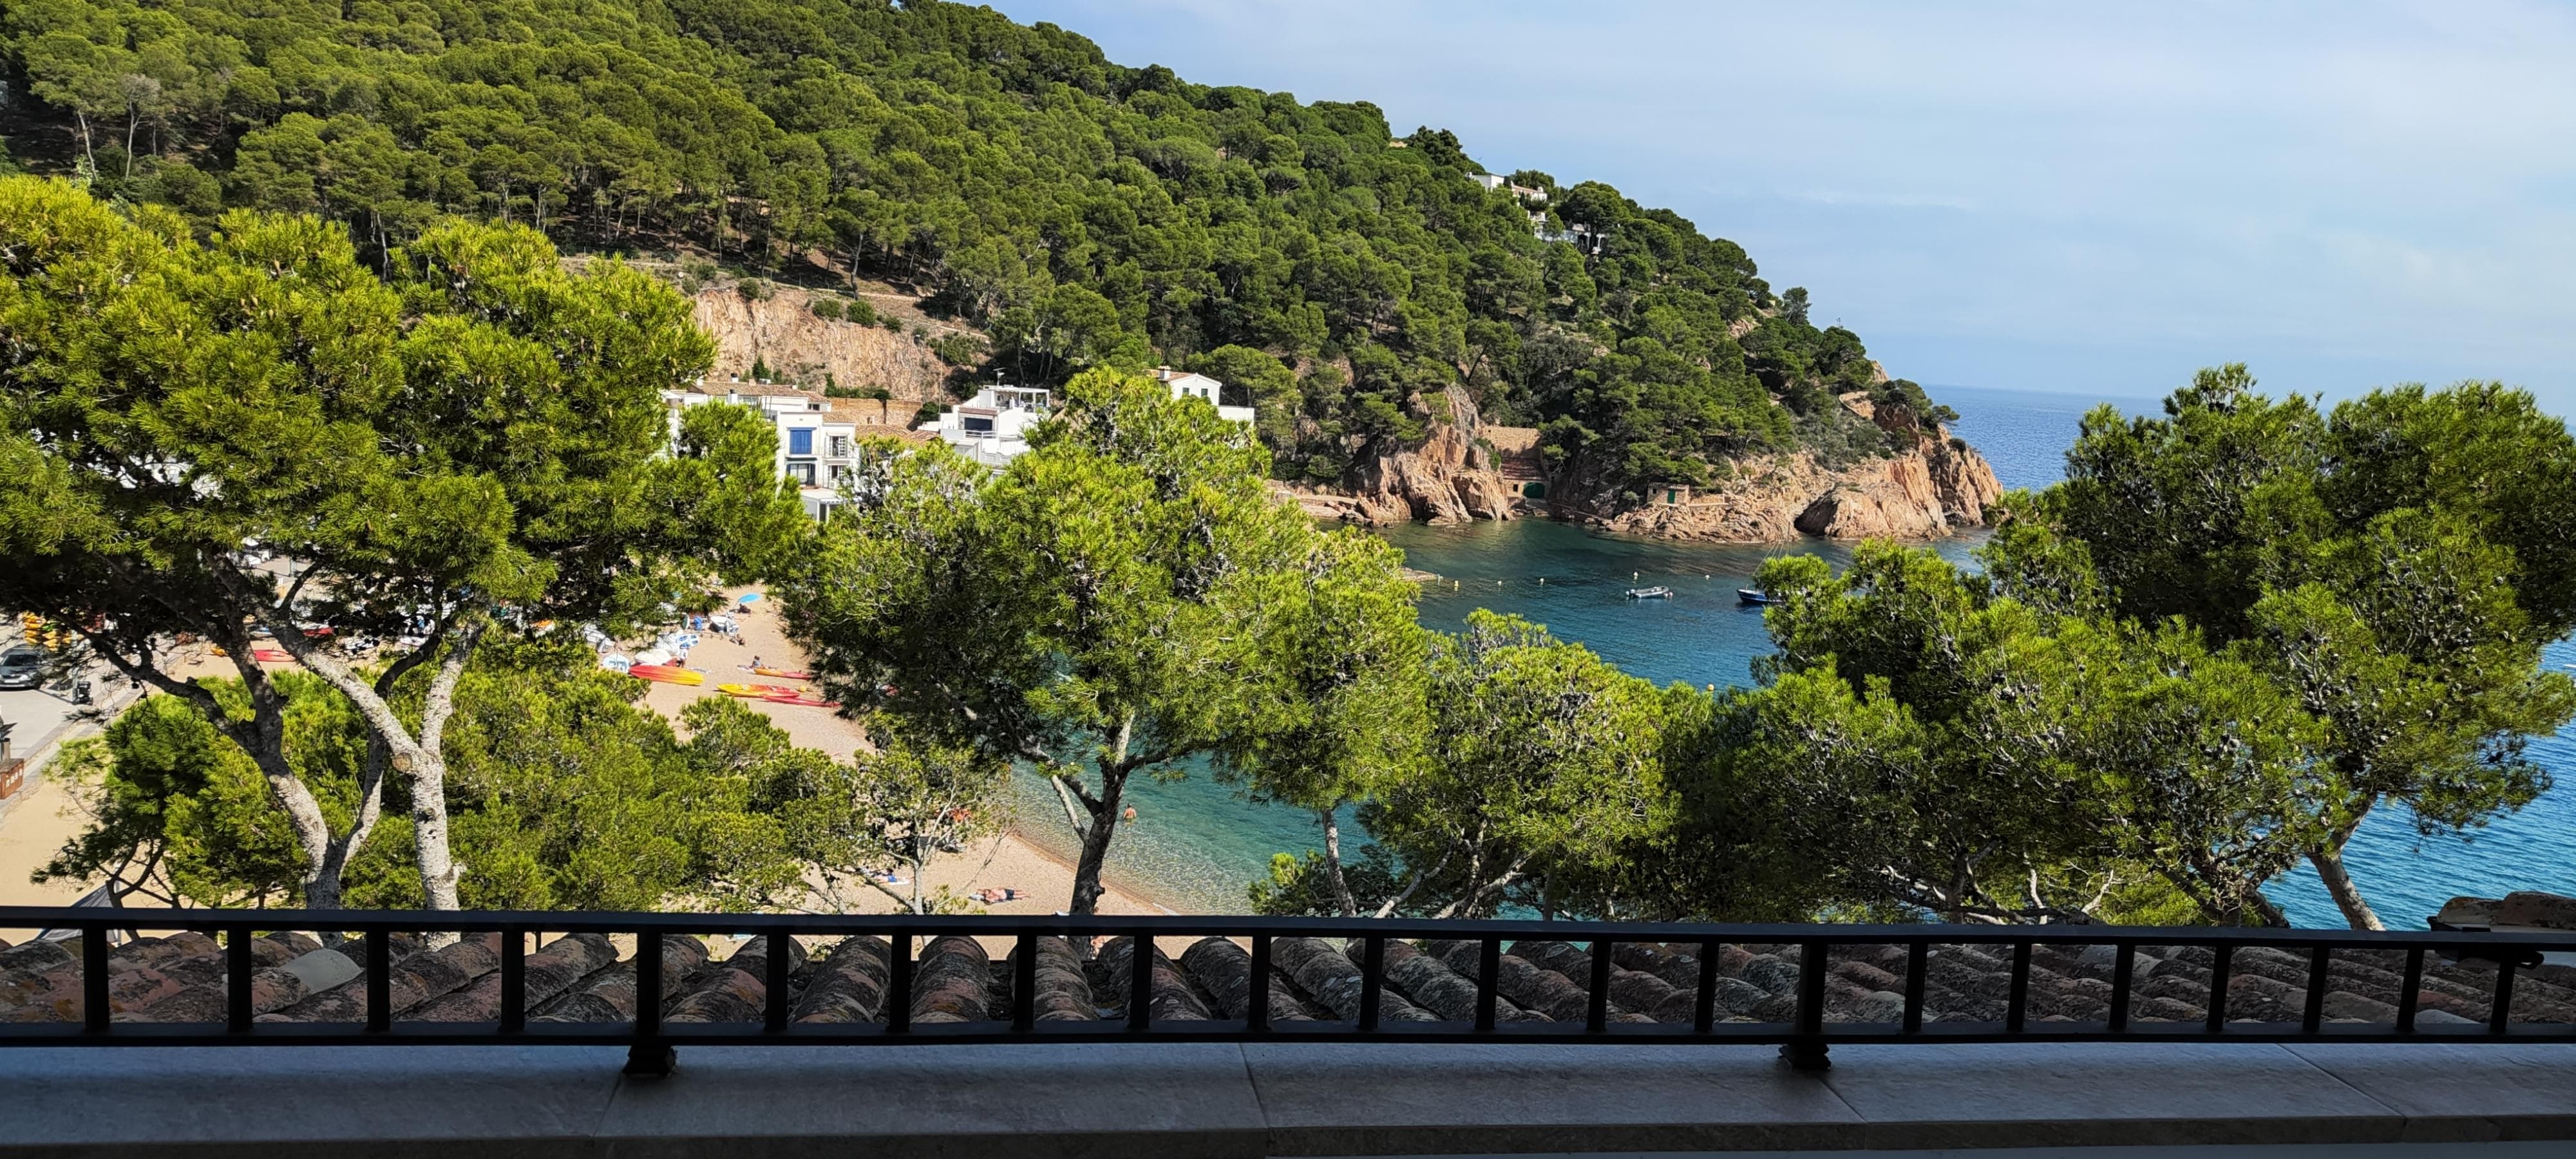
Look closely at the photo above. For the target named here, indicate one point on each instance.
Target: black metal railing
(1804, 1031)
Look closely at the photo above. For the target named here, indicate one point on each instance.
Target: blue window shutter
(800, 441)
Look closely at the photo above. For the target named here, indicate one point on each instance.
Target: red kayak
(802, 701)
(271, 656)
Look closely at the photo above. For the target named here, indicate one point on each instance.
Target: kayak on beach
(668, 674)
(782, 673)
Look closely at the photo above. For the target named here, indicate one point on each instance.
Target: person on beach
(996, 896)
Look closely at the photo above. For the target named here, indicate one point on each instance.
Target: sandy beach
(39, 820)
(1004, 862)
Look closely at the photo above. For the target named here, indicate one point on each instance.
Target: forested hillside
(1079, 211)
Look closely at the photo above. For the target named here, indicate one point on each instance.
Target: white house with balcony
(816, 448)
(992, 427)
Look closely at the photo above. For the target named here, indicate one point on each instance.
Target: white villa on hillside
(992, 427)
(1185, 384)
(817, 436)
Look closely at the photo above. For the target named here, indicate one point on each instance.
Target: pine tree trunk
(1333, 863)
(1095, 845)
(2338, 882)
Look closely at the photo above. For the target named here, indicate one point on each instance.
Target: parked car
(22, 667)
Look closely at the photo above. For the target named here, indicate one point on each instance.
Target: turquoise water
(1197, 842)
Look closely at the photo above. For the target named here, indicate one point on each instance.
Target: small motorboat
(1755, 596)
(668, 674)
(783, 673)
(1658, 592)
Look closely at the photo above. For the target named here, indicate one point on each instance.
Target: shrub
(828, 309)
(958, 349)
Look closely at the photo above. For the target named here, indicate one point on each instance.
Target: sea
(1197, 841)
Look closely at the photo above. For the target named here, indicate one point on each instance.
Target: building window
(800, 441)
(979, 426)
(840, 446)
(803, 472)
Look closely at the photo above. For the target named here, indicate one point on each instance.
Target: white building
(816, 447)
(992, 427)
(1191, 385)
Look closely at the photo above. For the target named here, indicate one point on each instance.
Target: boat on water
(1658, 592)
(1755, 596)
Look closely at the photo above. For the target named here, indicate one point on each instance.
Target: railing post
(781, 979)
(2124, 973)
(1489, 969)
(380, 981)
(2410, 990)
(1372, 980)
(1918, 956)
(648, 1056)
(1140, 980)
(514, 981)
(1024, 984)
(2312, 1015)
(2222, 961)
(94, 1011)
(1704, 1002)
(898, 995)
(1256, 1015)
(2500, 1015)
(2017, 991)
(237, 972)
(1805, 1049)
(1596, 1011)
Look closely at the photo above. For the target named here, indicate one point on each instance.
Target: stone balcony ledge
(1304, 1099)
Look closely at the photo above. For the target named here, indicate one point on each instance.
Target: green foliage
(2393, 566)
(958, 348)
(1949, 749)
(1119, 578)
(565, 792)
(458, 434)
(994, 166)
(828, 309)
(846, 822)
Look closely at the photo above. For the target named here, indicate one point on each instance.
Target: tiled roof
(581, 978)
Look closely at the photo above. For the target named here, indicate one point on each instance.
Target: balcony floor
(1288, 1099)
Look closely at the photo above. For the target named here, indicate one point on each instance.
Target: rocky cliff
(1938, 486)
(1452, 477)
(800, 347)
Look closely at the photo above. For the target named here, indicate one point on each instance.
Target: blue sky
(2029, 196)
